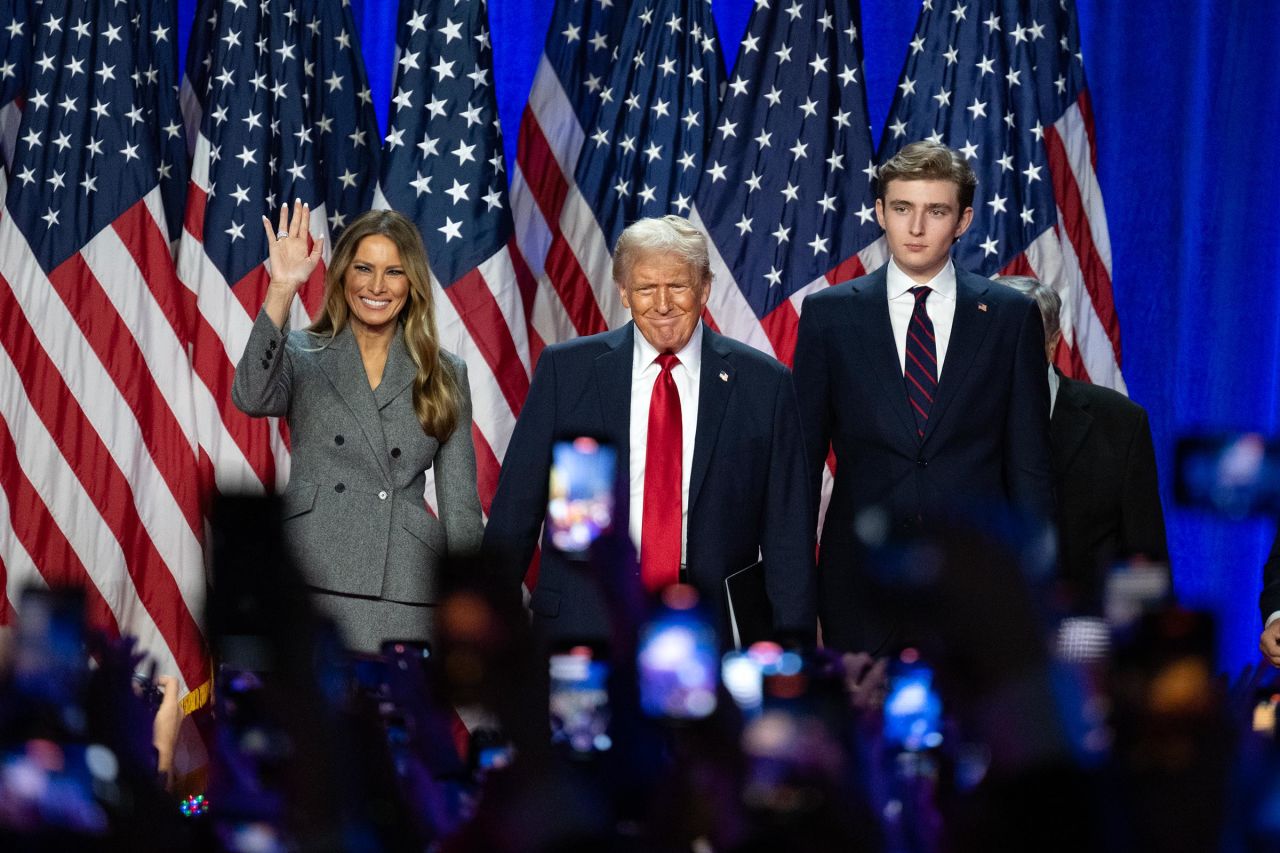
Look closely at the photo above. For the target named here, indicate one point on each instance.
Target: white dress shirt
(644, 372)
(941, 307)
(1053, 389)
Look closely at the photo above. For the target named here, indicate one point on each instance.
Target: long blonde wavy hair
(436, 396)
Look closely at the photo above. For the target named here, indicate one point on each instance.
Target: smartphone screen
(580, 502)
(678, 660)
(579, 701)
(50, 663)
(370, 676)
(743, 679)
(1236, 475)
(47, 786)
(490, 750)
(912, 708)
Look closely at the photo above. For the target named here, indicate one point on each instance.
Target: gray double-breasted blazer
(354, 511)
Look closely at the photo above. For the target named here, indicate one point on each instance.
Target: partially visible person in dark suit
(372, 402)
(708, 439)
(1104, 470)
(927, 382)
(1269, 601)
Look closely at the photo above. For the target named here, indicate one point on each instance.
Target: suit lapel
(869, 317)
(968, 330)
(715, 383)
(613, 383)
(1069, 425)
(341, 363)
(399, 372)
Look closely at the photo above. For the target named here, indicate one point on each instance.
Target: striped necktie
(921, 374)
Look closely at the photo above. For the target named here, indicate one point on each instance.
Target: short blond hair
(669, 234)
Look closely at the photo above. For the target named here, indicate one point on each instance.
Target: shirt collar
(943, 284)
(644, 353)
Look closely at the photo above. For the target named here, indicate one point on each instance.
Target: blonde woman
(372, 401)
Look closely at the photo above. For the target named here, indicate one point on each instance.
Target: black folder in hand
(750, 614)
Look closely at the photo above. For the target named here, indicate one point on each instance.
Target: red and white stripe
(98, 437)
(1090, 328)
(558, 235)
(480, 318)
(247, 455)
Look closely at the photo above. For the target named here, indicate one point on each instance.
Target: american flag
(786, 187)
(616, 128)
(98, 453)
(443, 167)
(1002, 81)
(16, 38)
(280, 98)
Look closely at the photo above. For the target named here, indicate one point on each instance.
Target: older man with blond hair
(708, 442)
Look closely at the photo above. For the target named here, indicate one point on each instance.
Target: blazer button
(265, 364)
(395, 453)
(382, 496)
(270, 355)
(922, 462)
(273, 344)
(339, 488)
(337, 439)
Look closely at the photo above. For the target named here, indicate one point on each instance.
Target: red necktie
(660, 529)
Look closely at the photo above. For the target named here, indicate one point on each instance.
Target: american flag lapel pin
(724, 377)
(982, 306)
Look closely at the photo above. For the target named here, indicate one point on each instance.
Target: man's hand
(1269, 643)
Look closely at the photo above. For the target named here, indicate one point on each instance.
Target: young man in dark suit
(927, 382)
(1104, 471)
(708, 438)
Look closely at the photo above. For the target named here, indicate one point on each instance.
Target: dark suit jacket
(1104, 472)
(747, 491)
(987, 438)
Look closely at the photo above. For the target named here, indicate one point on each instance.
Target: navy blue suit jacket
(747, 493)
(987, 438)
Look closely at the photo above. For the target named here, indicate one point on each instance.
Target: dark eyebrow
(932, 206)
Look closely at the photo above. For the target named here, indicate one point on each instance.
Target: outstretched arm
(264, 381)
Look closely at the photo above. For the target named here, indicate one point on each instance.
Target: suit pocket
(297, 500)
(545, 602)
(428, 530)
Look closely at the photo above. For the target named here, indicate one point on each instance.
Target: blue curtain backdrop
(1187, 105)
